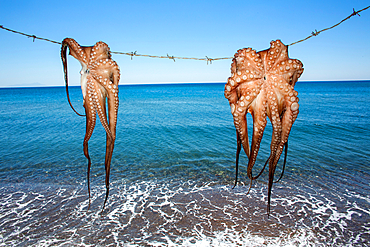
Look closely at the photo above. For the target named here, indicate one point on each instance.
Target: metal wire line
(209, 60)
(326, 29)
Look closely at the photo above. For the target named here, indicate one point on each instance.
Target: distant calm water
(173, 170)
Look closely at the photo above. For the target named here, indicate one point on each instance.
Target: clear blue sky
(181, 28)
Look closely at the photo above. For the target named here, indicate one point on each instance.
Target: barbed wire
(207, 59)
(30, 36)
(326, 29)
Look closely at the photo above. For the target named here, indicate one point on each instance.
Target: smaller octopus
(100, 76)
(262, 84)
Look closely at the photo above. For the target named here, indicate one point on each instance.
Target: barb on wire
(133, 54)
(356, 12)
(207, 59)
(315, 33)
(171, 57)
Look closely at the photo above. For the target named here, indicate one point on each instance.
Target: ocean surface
(173, 168)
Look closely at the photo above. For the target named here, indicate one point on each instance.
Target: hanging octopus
(99, 83)
(262, 84)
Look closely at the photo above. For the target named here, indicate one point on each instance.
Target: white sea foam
(180, 214)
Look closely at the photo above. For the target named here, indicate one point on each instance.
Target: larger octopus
(262, 84)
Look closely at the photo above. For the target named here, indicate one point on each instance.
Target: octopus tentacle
(238, 148)
(90, 125)
(277, 53)
(65, 70)
(287, 123)
(109, 84)
(113, 102)
(263, 168)
(239, 112)
(285, 156)
(276, 124)
(271, 181)
(99, 102)
(258, 111)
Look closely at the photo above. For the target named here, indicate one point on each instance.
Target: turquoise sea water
(173, 168)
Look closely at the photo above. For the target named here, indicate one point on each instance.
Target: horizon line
(174, 83)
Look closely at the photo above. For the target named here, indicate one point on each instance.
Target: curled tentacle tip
(233, 186)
